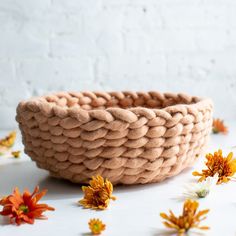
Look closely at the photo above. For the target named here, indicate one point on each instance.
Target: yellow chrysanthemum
(96, 226)
(224, 167)
(98, 194)
(189, 219)
(15, 154)
(9, 140)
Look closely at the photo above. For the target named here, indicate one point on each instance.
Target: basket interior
(89, 100)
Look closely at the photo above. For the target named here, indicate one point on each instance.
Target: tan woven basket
(128, 137)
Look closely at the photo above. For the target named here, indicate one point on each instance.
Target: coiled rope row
(127, 137)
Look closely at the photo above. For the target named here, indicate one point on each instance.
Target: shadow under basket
(127, 137)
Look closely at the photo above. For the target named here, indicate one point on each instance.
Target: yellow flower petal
(224, 167)
(16, 154)
(96, 226)
(189, 219)
(98, 194)
(9, 140)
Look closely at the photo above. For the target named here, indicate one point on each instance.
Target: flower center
(24, 208)
(202, 193)
(96, 227)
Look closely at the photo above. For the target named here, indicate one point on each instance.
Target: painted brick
(167, 45)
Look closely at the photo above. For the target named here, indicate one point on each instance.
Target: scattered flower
(225, 167)
(98, 194)
(96, 226)
(9, 140)
(6, 145)
(201, 189)
(189, 219)
(7, 153)
(15, 154)
(219, 127)
(24, 207)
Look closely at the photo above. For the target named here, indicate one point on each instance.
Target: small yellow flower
(96, 226)
(9, 140)
(225, 167)
(98, 194)
(219, 127)
(189, 219)
(16, 154)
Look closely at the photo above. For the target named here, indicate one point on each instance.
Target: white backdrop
(168, 45)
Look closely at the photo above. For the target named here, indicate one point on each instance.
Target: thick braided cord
(128, 137)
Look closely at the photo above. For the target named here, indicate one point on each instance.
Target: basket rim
(40, 103)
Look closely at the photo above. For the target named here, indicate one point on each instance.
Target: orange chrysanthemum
(224, 167)
(189, 219)
(9, 140)
(96, 226)
(219, 127)
(98, 194)
(24, 208)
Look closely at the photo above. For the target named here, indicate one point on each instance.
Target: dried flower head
(98, 194)
(96, 226)
(24, 207)
(15, 154)
(6, 144)
(9, 140)
(200, 189)
(189, 219)
(219, 127)
(225, 167)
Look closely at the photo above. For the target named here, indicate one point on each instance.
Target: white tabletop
(136, 210)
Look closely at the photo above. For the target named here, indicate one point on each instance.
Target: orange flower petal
(219, 127)
(24, 208)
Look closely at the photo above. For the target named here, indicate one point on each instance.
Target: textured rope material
(128, 137)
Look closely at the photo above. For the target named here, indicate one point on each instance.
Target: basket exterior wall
(128, 146)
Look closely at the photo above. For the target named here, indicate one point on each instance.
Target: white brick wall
(167, 45)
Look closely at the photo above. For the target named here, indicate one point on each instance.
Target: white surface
(168, 45)
(136, 210)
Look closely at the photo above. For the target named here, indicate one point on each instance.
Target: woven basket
(128, 137)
